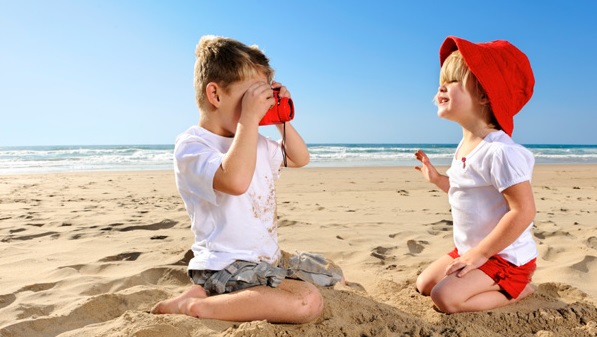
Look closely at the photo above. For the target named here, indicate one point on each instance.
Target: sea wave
(43, 159)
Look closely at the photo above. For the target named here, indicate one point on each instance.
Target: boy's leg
(433, 274)
(291, 302)
(473, 292)
(178, 304)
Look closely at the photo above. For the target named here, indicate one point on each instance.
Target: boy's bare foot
(179, 304)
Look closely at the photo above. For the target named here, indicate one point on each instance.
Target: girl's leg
(433, 274)
(474, 292)
(291, 302)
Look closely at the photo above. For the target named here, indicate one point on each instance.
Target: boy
(225, 172)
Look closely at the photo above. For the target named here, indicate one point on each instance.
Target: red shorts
(511, 278)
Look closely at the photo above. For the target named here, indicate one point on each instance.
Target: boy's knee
(309, 305)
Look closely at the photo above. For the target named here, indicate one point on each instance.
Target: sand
(89, 254)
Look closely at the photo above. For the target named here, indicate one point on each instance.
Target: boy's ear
(212, 91)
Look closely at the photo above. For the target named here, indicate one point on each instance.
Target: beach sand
(89, 254)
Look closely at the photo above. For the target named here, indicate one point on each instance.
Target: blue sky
(121, 72)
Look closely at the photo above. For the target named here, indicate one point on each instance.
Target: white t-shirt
(475, 194)
(227, 227)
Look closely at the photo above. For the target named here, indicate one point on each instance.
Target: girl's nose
(442, 88)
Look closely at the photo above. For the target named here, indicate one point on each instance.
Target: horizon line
(308, 144)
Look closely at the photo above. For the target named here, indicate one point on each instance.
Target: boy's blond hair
(225, 61)
(455, 69)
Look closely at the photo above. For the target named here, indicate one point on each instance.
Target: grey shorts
(309, 267)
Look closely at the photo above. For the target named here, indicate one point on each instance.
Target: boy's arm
(238, 166)
(236, 171)
(430, 173)
(297, 154)
(522, 212)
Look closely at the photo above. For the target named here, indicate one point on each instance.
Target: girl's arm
(430, 173)
(522, 212)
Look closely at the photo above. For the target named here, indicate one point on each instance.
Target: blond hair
(225, 61)
(455, 69)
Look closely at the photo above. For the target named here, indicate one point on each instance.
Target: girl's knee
(443, 301)
(423, 285)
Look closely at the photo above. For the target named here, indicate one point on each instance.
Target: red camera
(281, 112)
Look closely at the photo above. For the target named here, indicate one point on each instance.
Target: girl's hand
(470, 261)
(428, 170)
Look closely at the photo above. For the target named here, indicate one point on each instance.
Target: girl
(482, 87)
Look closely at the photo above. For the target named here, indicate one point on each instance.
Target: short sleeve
(274, 150)
(511, 165)
(195, 165)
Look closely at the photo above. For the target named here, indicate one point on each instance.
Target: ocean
(47, 159)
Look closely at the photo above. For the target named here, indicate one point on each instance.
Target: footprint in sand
(184, 261)
(586, 264)
(416, 247)
(122, 257)
(164, 224)
(10, 238)
(592, 242)
(439, 227)
(551, 253)
(6, 300)
(285, 223)
(541, 234)
(382, 253)
(403, 193)
(37, 287)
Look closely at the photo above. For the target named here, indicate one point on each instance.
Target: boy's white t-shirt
(227, 227)
(475, 194)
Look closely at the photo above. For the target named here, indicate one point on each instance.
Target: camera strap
(284, 146)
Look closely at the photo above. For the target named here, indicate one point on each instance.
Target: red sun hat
(502, 70)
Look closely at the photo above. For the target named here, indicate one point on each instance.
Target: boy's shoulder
(192, 134)
(197, 137)
(196, 133)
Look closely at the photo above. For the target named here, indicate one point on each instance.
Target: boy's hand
(283, 90)
(258, 98)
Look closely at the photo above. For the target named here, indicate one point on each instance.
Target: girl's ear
(484, 100)
(212, 91)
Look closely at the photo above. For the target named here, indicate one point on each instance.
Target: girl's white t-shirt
(227, 227)
(475, 194)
